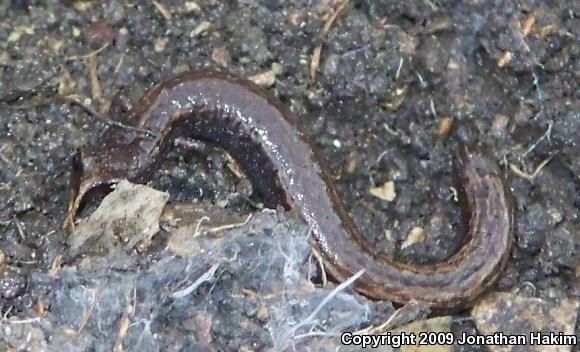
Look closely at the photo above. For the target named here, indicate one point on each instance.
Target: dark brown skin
(268, 143)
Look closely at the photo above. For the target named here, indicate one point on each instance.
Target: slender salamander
(267, 141)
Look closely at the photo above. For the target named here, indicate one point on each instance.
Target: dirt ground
(388, 89)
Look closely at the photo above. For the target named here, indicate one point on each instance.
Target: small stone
(190, 7)
(221, 56)
(268, 78)
(200, 29)
(444, 126)
(18, 32)
(160, 44)
(262, 313)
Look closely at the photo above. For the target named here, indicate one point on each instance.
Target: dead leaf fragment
(130, 215)
(386, 191)
(417, 234)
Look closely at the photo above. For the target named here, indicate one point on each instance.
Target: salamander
(276, 154)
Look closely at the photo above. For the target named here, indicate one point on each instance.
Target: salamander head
(93, 173)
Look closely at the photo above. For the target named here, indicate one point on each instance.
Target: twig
(399, 69)
(391, 130)
(421, 80)
(315, 60)
(544, 136)
(74, 100)
(96, 90)
(230, 226)
(123, 327)
(530, 177)
(198, 226)
(4, 317)
(19, 228)
(163, 10)
(118, 67)
(86, 56)
(432, 106)
(55, 265)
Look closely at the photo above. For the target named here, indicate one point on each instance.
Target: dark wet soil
(398, 86)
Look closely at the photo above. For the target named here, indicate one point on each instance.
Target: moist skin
(277, 156)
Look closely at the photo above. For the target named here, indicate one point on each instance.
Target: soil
(397, 87)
